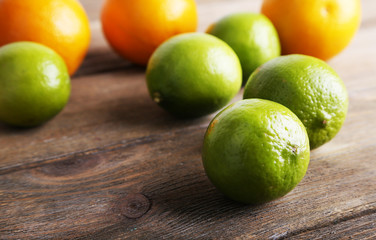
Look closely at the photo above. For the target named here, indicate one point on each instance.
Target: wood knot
(134, 205)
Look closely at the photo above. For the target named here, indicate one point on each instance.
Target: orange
(320, 28)
(59, 24)
(135, 28)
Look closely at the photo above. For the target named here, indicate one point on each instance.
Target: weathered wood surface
(113, 165)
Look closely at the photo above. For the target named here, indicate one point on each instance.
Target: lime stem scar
(157, 97)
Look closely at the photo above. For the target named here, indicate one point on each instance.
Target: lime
(193, 74)
(307, 86)
(252, 36)
(255, 151)
(34, 84)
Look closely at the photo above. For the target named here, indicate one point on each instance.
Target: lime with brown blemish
(255, 151)
(34, 84)
(193, 74)
(307, 86)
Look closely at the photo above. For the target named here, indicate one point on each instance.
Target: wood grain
(104, 109)
(358, 226)
(113, 165)
(83, 193)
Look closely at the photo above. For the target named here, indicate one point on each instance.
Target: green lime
(307, 86)
(252, 36)
(193, 74)
(34, 84)
(255, 151)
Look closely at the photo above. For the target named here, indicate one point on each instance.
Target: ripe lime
(255, 151)
(34, 84)
(252, 36)
(193, 74)
(307, 86)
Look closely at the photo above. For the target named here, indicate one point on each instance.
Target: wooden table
(113, 165)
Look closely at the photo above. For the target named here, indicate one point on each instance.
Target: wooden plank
(83, 195)
(92, 8)
(104, 109)
(358, 227)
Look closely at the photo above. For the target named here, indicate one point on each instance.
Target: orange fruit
(135, 28)
(319, 28)
(59, 24)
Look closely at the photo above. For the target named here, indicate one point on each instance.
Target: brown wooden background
(113, 165)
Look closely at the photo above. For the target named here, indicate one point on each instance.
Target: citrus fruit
(135, 28)
(34, 84)
(59, 24)
(193, 74)
(319, 28)
(307, 86)
(255, 151)
(252, 36)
